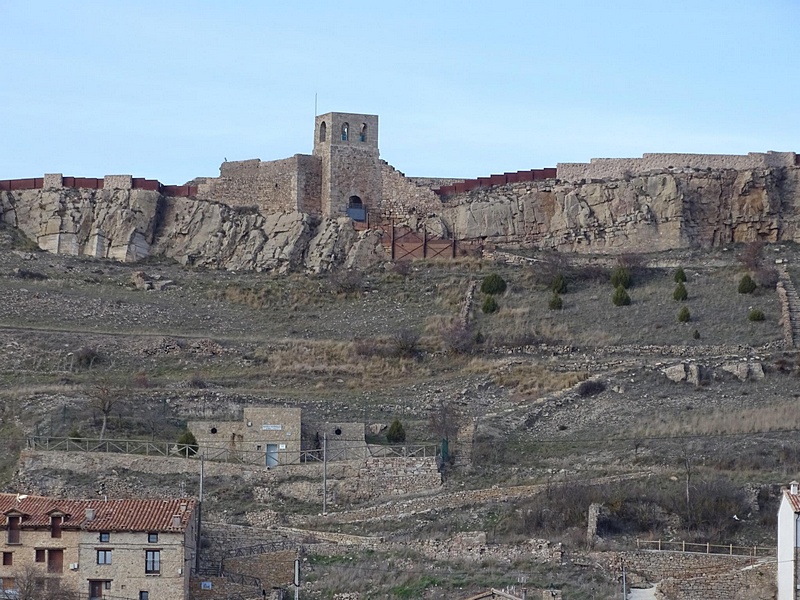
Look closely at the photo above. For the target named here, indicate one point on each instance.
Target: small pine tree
(683, 315)
(559, 285)
(620, 297)
(747, 285)
(493, 284)
(555, 302)
(680, 294)
(621, 277)
(187, 438)
(396, 433)
(680, 275)
(490, 305)
(755, 315)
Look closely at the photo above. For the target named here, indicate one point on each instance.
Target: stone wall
(619, 168)
(403, 196)
(271, 186)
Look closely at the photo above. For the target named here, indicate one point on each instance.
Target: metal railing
(699, 548)
(358, 451)
(263, 548)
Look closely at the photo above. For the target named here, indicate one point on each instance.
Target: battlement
(109, 182)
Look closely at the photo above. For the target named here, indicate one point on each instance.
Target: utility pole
(624, 584)
(324, 474)
(199, 509)
(296, 579)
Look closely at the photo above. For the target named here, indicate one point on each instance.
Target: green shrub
(680, 294)
(680, 275)
(755, 315)
(620, 297)
(490, 305)
(696, 334)
(396, 433)
(187, 437)
(493, 284)
(555, 302)
(684, 316)
(590, 387)
(747, 285)
(621, 277)
(559, 285)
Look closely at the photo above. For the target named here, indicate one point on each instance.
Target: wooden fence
(695, 548)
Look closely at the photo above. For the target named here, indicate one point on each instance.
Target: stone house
(138, 548)
(276, 435)
(789, 543)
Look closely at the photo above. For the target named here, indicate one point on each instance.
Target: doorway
(272, 455)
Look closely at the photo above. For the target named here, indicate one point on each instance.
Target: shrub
(755, 315)
(458, 338)
(680, 294)
(86, 357)
(555, 302)
(347, 283)
(493, 284)
(620, 297)
(696, 334)
(490, 305)
(396, 433)
(680, 275)
(766, 277)
(621, 277)
(187, 438)
(559, 285)
(405, 343)
(590, 387)
(684, 316)
(747, 285)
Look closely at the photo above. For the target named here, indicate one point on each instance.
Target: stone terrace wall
(403, 196)
(619, 168)
(273, 186)
(756, 583)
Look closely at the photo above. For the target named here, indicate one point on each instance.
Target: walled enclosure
(268, 436)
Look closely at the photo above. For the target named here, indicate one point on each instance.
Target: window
(152, 561)
(40, 555)
(106, 585)
(55, 526)
(105, 536)
(144, 595)
(8, 558)
(104, 557)
(323, 131)
(152, 537)
(55, 560)
(363, 135)
(13, 530)
(345, 132)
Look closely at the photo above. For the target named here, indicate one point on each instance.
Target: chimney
(793, 488)
(90, 514)
(176, 520)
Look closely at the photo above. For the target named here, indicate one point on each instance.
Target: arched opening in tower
(356, 209)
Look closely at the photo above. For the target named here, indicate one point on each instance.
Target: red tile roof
(109, 515)
(794, 500)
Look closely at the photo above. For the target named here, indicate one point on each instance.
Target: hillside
(553, 409)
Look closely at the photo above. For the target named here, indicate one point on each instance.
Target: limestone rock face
(128, 225)
(656, 211)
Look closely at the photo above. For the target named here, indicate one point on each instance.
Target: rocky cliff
(656, 211)
(129, 225)
(650, 212)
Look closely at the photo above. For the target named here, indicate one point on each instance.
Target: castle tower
(347, 145)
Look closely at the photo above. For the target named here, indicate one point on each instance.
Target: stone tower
(347, 145)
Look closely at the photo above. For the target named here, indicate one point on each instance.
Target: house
(142, 549)
(788, 543)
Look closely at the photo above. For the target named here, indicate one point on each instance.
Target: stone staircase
(790, 309)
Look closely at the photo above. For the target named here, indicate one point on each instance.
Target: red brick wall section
(492, 180)
(92, 183)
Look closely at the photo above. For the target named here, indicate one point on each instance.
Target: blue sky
(167, 89)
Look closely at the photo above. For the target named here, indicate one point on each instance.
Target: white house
(788, 543)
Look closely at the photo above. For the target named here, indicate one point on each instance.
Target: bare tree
(31, 583)
(103, 398)
(443, 421)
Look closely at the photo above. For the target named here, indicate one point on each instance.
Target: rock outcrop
(649, 212)
(129, 225)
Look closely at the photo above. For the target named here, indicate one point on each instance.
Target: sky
(169, 89)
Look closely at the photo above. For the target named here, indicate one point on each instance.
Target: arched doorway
(356, 209)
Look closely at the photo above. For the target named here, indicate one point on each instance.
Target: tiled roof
(109, 515)
(794, 500)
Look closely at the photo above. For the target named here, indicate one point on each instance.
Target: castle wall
(402, 195)
(619, 168)
(273, 186)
